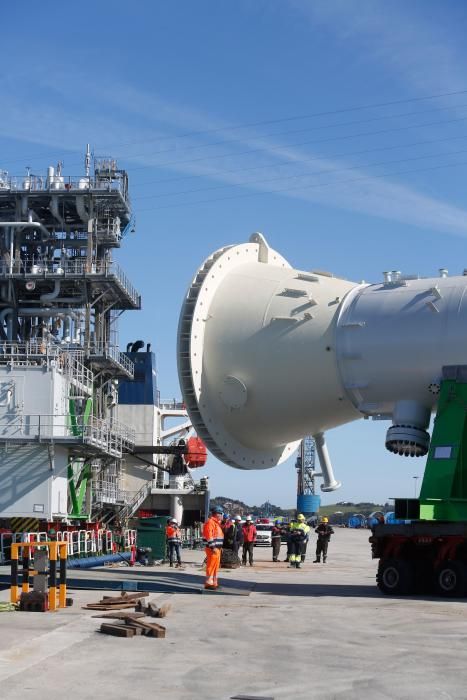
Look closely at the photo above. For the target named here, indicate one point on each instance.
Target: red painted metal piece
(144, 513)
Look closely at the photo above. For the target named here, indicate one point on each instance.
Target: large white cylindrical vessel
(393, 339)
(268, 354)
(256, 352)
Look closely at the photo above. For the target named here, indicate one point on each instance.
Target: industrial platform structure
(67, 451)
(308, 501)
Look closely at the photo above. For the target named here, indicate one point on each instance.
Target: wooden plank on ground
(117, 630)
(152, 629)
(120, 615)
(99, 606)
(124, 597)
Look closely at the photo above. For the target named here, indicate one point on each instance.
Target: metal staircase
(130, 506)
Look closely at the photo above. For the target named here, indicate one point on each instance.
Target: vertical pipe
(87, 161)
(25, 583)
(52, 575)
(62, 590)
(10, 327)
(12, 239)
(330, 482)
(14, 573)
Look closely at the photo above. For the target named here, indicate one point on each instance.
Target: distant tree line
(269, 510)
(264, 510)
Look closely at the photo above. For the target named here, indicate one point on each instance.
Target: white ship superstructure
(61, 294)
(67, 453)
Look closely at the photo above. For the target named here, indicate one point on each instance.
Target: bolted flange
(407, 440)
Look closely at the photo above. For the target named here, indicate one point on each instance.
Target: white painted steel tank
(268, 354)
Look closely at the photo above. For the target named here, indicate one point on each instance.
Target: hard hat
(277, 522)
(300, 517)
(172, 520)
(216, 509)
(238, 517)
(248, 518)
(325, 520)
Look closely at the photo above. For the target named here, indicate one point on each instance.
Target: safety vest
(173, 534)
(213, 536)
(299, 531)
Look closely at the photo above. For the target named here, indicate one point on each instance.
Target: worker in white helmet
(238, 534)
(174, 540)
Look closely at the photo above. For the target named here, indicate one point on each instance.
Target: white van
(264, 534)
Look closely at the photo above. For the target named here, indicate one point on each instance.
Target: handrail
(105, 181)
(111, 436)
(34, 348)
(132, 506)
(112, 351)
(40, 267)
(33, 353)
(107, 492)
(172, 405)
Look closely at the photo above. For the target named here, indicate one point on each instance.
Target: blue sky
(332, 182)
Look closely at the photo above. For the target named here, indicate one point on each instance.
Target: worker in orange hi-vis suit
(213, 538)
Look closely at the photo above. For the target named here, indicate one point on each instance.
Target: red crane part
(196, 453)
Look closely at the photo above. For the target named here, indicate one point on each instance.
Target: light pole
(415, 485)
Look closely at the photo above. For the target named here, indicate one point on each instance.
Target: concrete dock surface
(322, 632)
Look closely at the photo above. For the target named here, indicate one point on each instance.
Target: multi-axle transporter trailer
(429, 552)
(421, 557)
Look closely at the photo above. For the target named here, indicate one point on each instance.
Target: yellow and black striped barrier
(57, 551)
(24, 524)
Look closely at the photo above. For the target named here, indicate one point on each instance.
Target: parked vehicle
(263, 534)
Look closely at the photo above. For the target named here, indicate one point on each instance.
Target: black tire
(395, 577)
(450, 579)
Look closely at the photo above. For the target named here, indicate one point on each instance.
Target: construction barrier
(6, 540)
(100, 540)
(35, 538)
(54, 549)
(129, 539)
(80, 543)
(191, 537)
(75, 542)
(109, 542)
(66, 537)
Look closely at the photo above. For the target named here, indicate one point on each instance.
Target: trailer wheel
(451, 579)
(395, 576)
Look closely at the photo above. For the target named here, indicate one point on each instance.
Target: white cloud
(420, 53)
(368, 194)
(59, 125)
